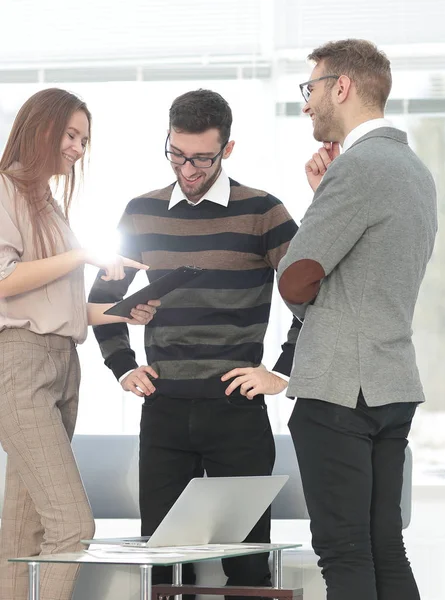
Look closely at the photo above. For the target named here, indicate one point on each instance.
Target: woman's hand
(113, 266)
(140, 315)
(143, 313)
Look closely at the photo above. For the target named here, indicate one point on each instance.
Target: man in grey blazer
(353, 272)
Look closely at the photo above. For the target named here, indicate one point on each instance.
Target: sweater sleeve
(113, 339)
(278, 230)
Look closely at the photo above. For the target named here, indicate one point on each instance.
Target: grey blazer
(371, 226)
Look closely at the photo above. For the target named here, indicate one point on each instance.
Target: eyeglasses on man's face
(306, 87)
(199, 162)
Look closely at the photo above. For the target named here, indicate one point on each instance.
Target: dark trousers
(179, 439)
(351, 463)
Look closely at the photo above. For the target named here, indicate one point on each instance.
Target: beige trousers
(45, 507)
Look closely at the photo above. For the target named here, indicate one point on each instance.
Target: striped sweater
(219, 320)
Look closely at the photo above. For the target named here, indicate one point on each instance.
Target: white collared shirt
(363, 129)
(219, 193)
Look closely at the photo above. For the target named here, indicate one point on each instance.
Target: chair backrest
(407, 488)
(290, 502)
(109, 468)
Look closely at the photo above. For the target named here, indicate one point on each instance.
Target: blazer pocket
(317, 342)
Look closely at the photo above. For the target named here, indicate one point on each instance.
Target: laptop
(210, 510)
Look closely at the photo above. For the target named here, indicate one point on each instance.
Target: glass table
(175, 556)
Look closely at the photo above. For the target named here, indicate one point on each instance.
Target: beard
(195, 192)
(324, 120)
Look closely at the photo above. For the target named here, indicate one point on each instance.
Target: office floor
(425, 540)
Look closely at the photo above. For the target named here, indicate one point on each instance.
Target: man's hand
(143, 313)
(317, 166)
(253, 381)
(138, 382)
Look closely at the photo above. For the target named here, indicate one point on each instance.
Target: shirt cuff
(125, 374)
(285, 377)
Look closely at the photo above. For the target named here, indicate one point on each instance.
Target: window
(129, 67)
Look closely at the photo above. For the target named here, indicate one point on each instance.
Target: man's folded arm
(332, 225)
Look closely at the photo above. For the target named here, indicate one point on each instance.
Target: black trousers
(179, 439)
(351, 463)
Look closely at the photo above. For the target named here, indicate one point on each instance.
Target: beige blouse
(58, 307)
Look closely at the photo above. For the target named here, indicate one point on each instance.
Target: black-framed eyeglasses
(306, 91)
(200, 162)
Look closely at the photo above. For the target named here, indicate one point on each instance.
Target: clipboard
(155, 290)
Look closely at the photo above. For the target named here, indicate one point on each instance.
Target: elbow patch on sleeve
(298, 280)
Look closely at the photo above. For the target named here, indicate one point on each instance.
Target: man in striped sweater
(204, 383)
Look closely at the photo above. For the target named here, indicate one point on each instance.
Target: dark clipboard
(155, 290)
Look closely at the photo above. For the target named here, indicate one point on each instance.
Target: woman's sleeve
(11, 242)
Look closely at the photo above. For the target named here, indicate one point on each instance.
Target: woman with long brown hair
(43, 316)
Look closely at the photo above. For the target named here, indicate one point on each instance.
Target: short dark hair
(368, 67)
(200, 110)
